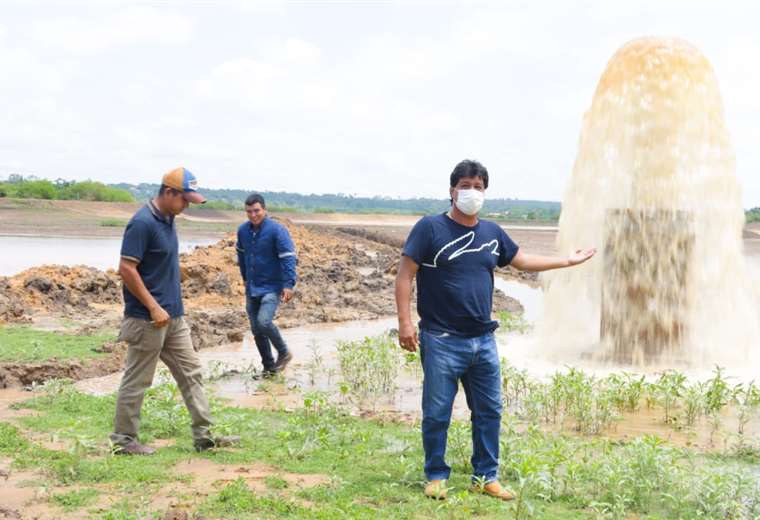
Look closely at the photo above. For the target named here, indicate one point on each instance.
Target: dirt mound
(375, 236)
(65, 290)
(340, 277)
(211, 329)
(11, 308)
(24, 374)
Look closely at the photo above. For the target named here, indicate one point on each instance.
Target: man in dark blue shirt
(453, 256)
(153, 324)
(267, 260)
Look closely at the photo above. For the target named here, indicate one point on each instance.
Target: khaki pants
(147, 344)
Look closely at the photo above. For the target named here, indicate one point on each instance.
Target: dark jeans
(446, 359)
(261, 311)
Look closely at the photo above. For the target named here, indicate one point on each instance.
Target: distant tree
(37, 189)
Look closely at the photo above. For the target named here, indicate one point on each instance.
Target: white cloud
(368, 98)
(93, 34)
(283, 77)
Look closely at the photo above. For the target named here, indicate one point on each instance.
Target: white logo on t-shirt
(463, 250)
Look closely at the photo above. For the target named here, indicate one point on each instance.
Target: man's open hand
(287, 295)
(580, 256)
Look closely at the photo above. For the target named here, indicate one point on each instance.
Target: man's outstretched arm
(529, 262)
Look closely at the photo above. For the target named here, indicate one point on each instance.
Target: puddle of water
(531, 298)
(101, 253)
(319, 341)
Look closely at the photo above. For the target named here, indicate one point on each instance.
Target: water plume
(654, 187)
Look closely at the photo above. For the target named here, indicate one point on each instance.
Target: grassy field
(366, 468)
(21, 344)
(322, 461)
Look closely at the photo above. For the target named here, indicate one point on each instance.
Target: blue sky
(368, 98)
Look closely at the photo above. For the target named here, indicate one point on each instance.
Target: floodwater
(20, 253)
(229, 369)
(531, 298)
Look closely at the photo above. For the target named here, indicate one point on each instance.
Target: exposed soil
(343, 275)
(26, 374)
(21, 499)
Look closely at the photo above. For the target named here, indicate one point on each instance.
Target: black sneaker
(217, 442)
(282, 362)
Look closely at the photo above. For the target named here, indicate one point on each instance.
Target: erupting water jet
(654, 185)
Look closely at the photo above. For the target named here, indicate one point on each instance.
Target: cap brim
(194, 197)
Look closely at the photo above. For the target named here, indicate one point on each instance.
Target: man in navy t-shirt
(154, 324)
(453, 256)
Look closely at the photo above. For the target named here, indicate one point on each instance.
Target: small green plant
(514, 386)
(718, 394)
(275, 482)
(747, 401)
(627, 390)
(76, 499)
(513, 322)
(668, 389)
(317, 362)
(693, 403)
(370, 367)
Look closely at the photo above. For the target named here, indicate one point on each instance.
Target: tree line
(233, 199)
(20, 187)
(31, 187)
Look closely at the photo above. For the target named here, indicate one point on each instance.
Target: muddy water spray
(654, 187)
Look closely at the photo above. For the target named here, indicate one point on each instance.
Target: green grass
(73, 500)
(373, 468)
(512, 322)
(113, 222)
(21, 344)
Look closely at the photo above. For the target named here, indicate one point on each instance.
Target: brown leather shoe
(436, 489)
(494, 489)
(224, 441)
(133, 448)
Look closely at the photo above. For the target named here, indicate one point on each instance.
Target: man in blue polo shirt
(267, 260)
(453, 256)
(153, 324)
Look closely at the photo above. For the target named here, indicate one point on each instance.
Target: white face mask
(470, 201)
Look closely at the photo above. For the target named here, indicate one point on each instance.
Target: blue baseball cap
(182, 180)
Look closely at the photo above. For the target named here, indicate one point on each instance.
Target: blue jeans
(447, 359)
(261, 311)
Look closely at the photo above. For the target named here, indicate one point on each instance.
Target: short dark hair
(164, 188)
(466, 169)
(254, 198)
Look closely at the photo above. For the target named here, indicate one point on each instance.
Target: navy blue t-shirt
(151, 240)
(455, 276)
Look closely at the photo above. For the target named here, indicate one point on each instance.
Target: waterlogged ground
(338, 436)
(318, 460)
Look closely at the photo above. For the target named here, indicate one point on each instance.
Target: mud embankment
(342, 276)
(27, 374)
